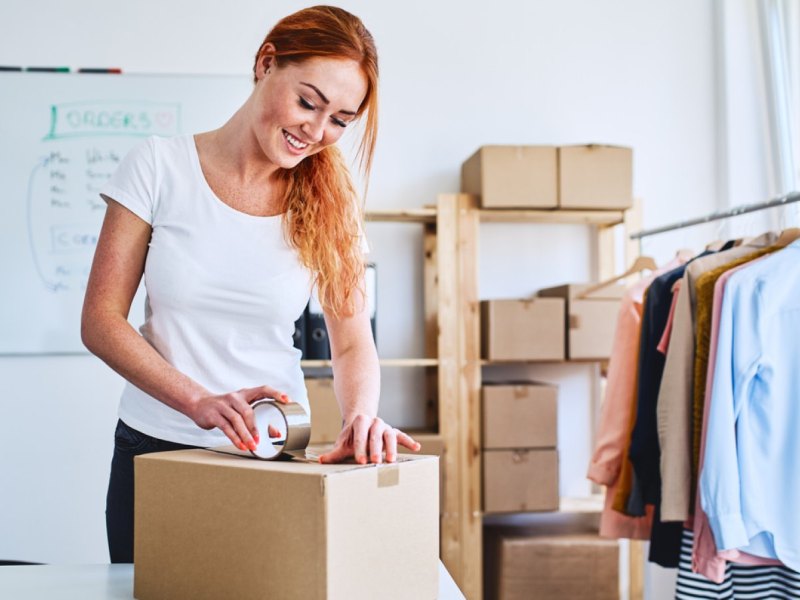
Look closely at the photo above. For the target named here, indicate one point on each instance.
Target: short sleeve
(133, 184)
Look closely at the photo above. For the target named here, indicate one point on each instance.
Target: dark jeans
(128, 443)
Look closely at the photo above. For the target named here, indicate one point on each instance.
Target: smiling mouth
(293, 141)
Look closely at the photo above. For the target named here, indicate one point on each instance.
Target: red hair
(324, 217)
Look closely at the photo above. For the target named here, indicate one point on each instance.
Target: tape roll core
(290, 419)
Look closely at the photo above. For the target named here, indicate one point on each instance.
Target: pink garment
(615, 417)
(706, 560)
(664, 343)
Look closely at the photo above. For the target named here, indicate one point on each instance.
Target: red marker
(93, 70)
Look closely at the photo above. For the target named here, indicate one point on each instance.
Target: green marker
(47, 69)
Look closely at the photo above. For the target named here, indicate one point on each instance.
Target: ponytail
(324, 222)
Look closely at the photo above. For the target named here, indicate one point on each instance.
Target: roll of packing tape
(290, 419)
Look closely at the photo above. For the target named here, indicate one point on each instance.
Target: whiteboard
(61, 136)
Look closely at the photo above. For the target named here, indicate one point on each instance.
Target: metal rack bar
(734, 212)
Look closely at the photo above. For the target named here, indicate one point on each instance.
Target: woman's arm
(116, 272)
(356, 384)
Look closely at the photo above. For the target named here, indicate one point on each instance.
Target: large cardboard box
(520, 480)
(578, 566)
(591, 321)
(210, 526)
(512, 176)
(520, 415)
(595, 177)
(530, 329)
(326, 417)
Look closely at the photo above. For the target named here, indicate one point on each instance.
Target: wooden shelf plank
(581, 217)
(411, 215)
(587, 361)
(385, 362)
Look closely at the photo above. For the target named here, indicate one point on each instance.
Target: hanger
(642, 263)
(685, 254)
(787, 236)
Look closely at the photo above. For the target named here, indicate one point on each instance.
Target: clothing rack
(734, 212)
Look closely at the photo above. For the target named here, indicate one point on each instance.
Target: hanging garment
(738, 582)
(749, 484)
(706, 560)
(664, 343)
(613, 432)
(644, 451)
(675, 394)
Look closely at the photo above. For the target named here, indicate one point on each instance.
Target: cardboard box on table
(527, 565)
(590, 322)
(529, 329)
(595, 176)
(519, 415)
(512, 176)
(210, 526)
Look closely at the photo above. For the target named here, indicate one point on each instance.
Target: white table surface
(108, 582)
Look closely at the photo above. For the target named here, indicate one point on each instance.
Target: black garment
(644, 452)
(128, 443)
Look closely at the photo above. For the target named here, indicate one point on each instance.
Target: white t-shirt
(224, 288)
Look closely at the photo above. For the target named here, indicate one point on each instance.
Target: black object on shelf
(299, 336)
(317, 343)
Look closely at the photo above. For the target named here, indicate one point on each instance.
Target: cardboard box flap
(571, 291)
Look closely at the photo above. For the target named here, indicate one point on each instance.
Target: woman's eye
(306, 104)
(339, 122)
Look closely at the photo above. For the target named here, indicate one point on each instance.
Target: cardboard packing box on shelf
(578, 566)
(595, 176)
(326, 418)
(211, 525)
(520, 480)
(519, 415)
(590, 322)
(512, 176)
(529, 329)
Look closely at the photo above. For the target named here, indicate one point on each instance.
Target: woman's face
(302, 108)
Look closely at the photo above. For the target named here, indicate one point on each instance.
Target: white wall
(455, 75)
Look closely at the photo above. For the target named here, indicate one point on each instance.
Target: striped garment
(742, 582)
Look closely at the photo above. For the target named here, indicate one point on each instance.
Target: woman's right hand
(233, 414)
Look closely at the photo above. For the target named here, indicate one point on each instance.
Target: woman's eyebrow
(324, 99)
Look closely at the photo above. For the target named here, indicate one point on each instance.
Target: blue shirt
(750, 482)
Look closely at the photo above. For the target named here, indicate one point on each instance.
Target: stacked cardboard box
(520, 460)
(530, 329)
(526, 563)
(592, 176)
(326, 418)
(590, 321)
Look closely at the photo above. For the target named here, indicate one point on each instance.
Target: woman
(230, 229)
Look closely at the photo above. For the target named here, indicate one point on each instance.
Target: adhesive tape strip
(291, 420)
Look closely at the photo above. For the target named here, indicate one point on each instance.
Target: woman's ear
(266, 60)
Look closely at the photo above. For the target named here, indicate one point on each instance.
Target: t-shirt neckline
(198, 168)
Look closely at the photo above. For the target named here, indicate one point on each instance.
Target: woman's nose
(314, 130)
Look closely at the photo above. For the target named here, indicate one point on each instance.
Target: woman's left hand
(366, 438)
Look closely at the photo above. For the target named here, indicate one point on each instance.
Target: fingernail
(257, 438)
(375, 458)
(390, 458)
(252, 445)
(241, 446)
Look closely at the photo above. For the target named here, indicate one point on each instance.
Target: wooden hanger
(787, 236)
(642, 263)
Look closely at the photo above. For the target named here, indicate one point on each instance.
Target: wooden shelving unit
(453, 363)
(458, 224)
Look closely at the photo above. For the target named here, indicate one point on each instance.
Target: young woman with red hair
(230, 229)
